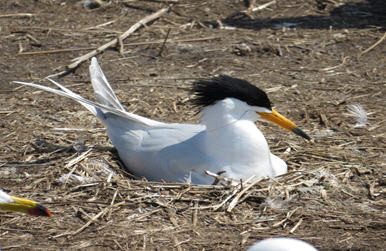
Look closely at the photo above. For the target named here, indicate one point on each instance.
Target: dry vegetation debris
(314, 59)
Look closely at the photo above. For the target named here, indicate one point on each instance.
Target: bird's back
(170, 152)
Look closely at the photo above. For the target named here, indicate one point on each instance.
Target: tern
(226, 140)
(16, 204)
(282, 244)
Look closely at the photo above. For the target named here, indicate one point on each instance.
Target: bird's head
(209, 92)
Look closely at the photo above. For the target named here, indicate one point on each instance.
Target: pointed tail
(107, 101)
(103, 92)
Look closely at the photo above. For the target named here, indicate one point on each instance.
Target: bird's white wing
(170, 153)
(97, 109)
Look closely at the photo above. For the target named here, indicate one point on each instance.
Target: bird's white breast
(234, 142)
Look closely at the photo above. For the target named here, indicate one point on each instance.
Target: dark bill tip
(301, 133)
(39, 210)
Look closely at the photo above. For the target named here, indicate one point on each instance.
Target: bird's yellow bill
(283, 122)
(29, 207)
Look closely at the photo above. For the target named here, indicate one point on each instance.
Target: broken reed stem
(263, 6)
(130, 44)
(55, 51)
(372, 47)
(163, 45)
(101, 213)
(91, 221)
(238, 196)
(19, 15)
(122, 37)
(296, 226)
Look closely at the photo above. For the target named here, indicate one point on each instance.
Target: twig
(289, 214)
(34, 39)
(89, 171)
(123, 36)
(101, 213)
(175, 41)
(218, 177)
(121, 45)
(163, 45)
(130, 44)
(225, 201)
(104, 211)
(337, 66)
(101, 25)
(238, 196)
(194, 215)
(55, 51)
(68, 176)
(296, 226)
(112, 204)
(19, 15)
(177, 243)
(373, 46)
(172, 218)
(263, 6)
(77, 159)
(49, 29)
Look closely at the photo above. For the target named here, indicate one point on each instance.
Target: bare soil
(314, 58)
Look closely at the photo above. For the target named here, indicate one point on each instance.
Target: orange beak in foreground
(283, 122)
(29, 207)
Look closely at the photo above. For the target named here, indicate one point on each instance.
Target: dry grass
(55, 152)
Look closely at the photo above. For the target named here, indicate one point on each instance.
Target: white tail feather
(107, 101)
(91, 108)
(90, 105)
(102, 89)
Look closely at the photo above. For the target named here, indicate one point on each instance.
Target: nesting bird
(226, 139)
(16, 204)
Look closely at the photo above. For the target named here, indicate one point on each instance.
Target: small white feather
(359, 113)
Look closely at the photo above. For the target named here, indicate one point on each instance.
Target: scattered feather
(74, 179)
(277, 203)
(187, 179)
(325, 133)
(359, 113)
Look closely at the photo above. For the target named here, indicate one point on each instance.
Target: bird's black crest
(208, 92)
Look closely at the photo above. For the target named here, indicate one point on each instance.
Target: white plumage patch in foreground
(282, 244)
(5, 198)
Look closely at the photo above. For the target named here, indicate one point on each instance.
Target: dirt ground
(315, 59)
